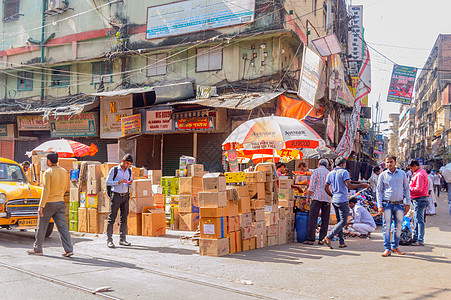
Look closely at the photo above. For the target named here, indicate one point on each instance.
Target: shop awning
(246, 101)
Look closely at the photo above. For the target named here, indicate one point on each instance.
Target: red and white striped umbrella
(67, 148)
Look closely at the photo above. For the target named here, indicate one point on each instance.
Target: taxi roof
(8, 161)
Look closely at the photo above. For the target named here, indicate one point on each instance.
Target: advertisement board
(338, 89)
(131, 124)
(158, 120)
(112, 109)
(199, 123)
(355, 33)
(81, 125)
(31, 123)
(402, 84)
(183, 17)
(312, 67)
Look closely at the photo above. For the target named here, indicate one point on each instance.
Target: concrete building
(432, 113)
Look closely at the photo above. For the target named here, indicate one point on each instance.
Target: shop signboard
(131, 124)
(81, 125)
(183, 17)
(355, 33)
(158, 120)
(3, 130)
(338, 89)
(312, 67)
(402, 84)
(197, 123)
(112, 109)
(32, 123)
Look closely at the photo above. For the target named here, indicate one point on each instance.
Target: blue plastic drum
(301, 226)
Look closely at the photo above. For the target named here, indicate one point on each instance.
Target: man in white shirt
(361, 220)
(374, 177)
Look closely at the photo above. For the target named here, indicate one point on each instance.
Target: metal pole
(42, 49)
(328, 16)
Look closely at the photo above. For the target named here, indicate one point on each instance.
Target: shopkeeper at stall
(281, 170)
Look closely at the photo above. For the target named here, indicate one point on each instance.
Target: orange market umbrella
(67, 148)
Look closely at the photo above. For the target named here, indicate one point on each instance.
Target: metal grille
(17, 210)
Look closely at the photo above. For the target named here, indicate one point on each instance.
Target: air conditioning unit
(56, 4)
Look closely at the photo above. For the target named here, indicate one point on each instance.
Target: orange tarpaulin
(296, 108)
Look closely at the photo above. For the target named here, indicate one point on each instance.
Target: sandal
(386, 253)
(67, 254)
(397, 251)
(327, 241)
(37, 253)
(343, 246)
(417, 244)
(320, 242)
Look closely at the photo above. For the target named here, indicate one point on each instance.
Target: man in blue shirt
(340, 182)
(120, 179)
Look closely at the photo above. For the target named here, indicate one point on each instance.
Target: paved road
(168, 267)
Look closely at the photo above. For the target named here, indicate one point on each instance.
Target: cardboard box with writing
(285, 183)
(258, 204)
(267, 168)
(273, 241)
(190, 185)
(213, 212)
(159, 199)
(74, 195)
(67, 163)
(154, 176)
(244, 205)
(103, 202)
(271, 218)
(282, 231)
(141, 188)
(106, 167)
(91, 201)
(248, 244)
(136, 205)
(195, 170)
(188, 221)
(103, 184)
(232, 208)
(271, 208)
(248, 232)
(94, 172)
(252, 177)
(269, 199)
(260, 227)
(286, 203)
(233, 224)
(261, 241)
(93, 187)
(258, 215)
(214, 182)
(272, 230)
(284, 194)
(93, 220)
(281, 212)
(213, 199)
(213, 228)
(212, 247)
(153, 221)
(232, 193)
(188, 204)
(243, 191)
(235, 242)
(134, 224)
(246, 220)
(257, 190)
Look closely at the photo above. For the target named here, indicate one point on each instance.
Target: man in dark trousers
(119, 179)
(52, 206)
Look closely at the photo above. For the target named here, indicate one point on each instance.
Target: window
(61, 76)
(11, 10)
(209, 59)
(101, 69)
(24, 81)
(156, 65)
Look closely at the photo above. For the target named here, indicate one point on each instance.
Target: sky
(404, 31)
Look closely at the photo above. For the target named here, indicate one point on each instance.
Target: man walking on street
(119, 179)
(52, 206)
(437, 183)
(321, 201)
(340, 182)
(393, 201)
(419, 192)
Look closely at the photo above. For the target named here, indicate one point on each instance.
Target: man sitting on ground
(361, 220)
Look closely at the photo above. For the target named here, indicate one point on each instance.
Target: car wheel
(49, 229)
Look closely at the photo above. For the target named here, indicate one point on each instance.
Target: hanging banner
(355, 33)
(31, 123)
(312, 67)
(81, 125)
(233, 160)
(344, 148)
(330, 128)
(338, 89)
(158, 120)
(402, 84)
(131, 124)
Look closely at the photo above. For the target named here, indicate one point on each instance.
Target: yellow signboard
(131, 124)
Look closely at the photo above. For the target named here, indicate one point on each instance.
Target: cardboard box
(260, 227)
(103, 184)
(269, 187)
(103, 222)
(271, 218)
(73, 215)
(235, 177)
(91, 201)
(188, 204)
(214, 247)
(188, 221)
(271, 208)
(213, 212)
(138, 172)
(214, 182)
(93, 220)
(281, 213)
(153, 222)
(267, 168)
(272, 230)
(93, 187)
(67, 163)
(234, 242)
(213, 199)
(246, 220)
(106, 167)
(213, 228)
(73, 225)
(74, 205)
(255, 177)
(190, 185)
(232, 208)
(233, 223)
(258, 204)
(286, 203)
(258, 215)
(261, 241)
(282, 228)
(95, 172)
(243, 191)
(155, 176)
(141, 188)
(248, 232)
(175, 218)
(273, 241)
(136, 205)
(270, 200)
(284, 194)
(82, 199)
(74, 195)
(134, 224)
(195, 170)
(248, 244)
(185, 161)
(257, 190)
(103, 202)
(232, 193)
(159, 199)
(244, 205)
(285, 183)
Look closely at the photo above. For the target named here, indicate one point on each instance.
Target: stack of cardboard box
(140, 197)
(170, 185)
(286, 205)
(213, 216)
(188, 200)
(153, 221)
(74, 204)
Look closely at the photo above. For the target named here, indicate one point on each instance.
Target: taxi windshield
(10, 172)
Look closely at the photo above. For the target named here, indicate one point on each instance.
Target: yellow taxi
(19, 200)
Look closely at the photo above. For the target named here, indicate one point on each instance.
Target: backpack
(108, 187)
